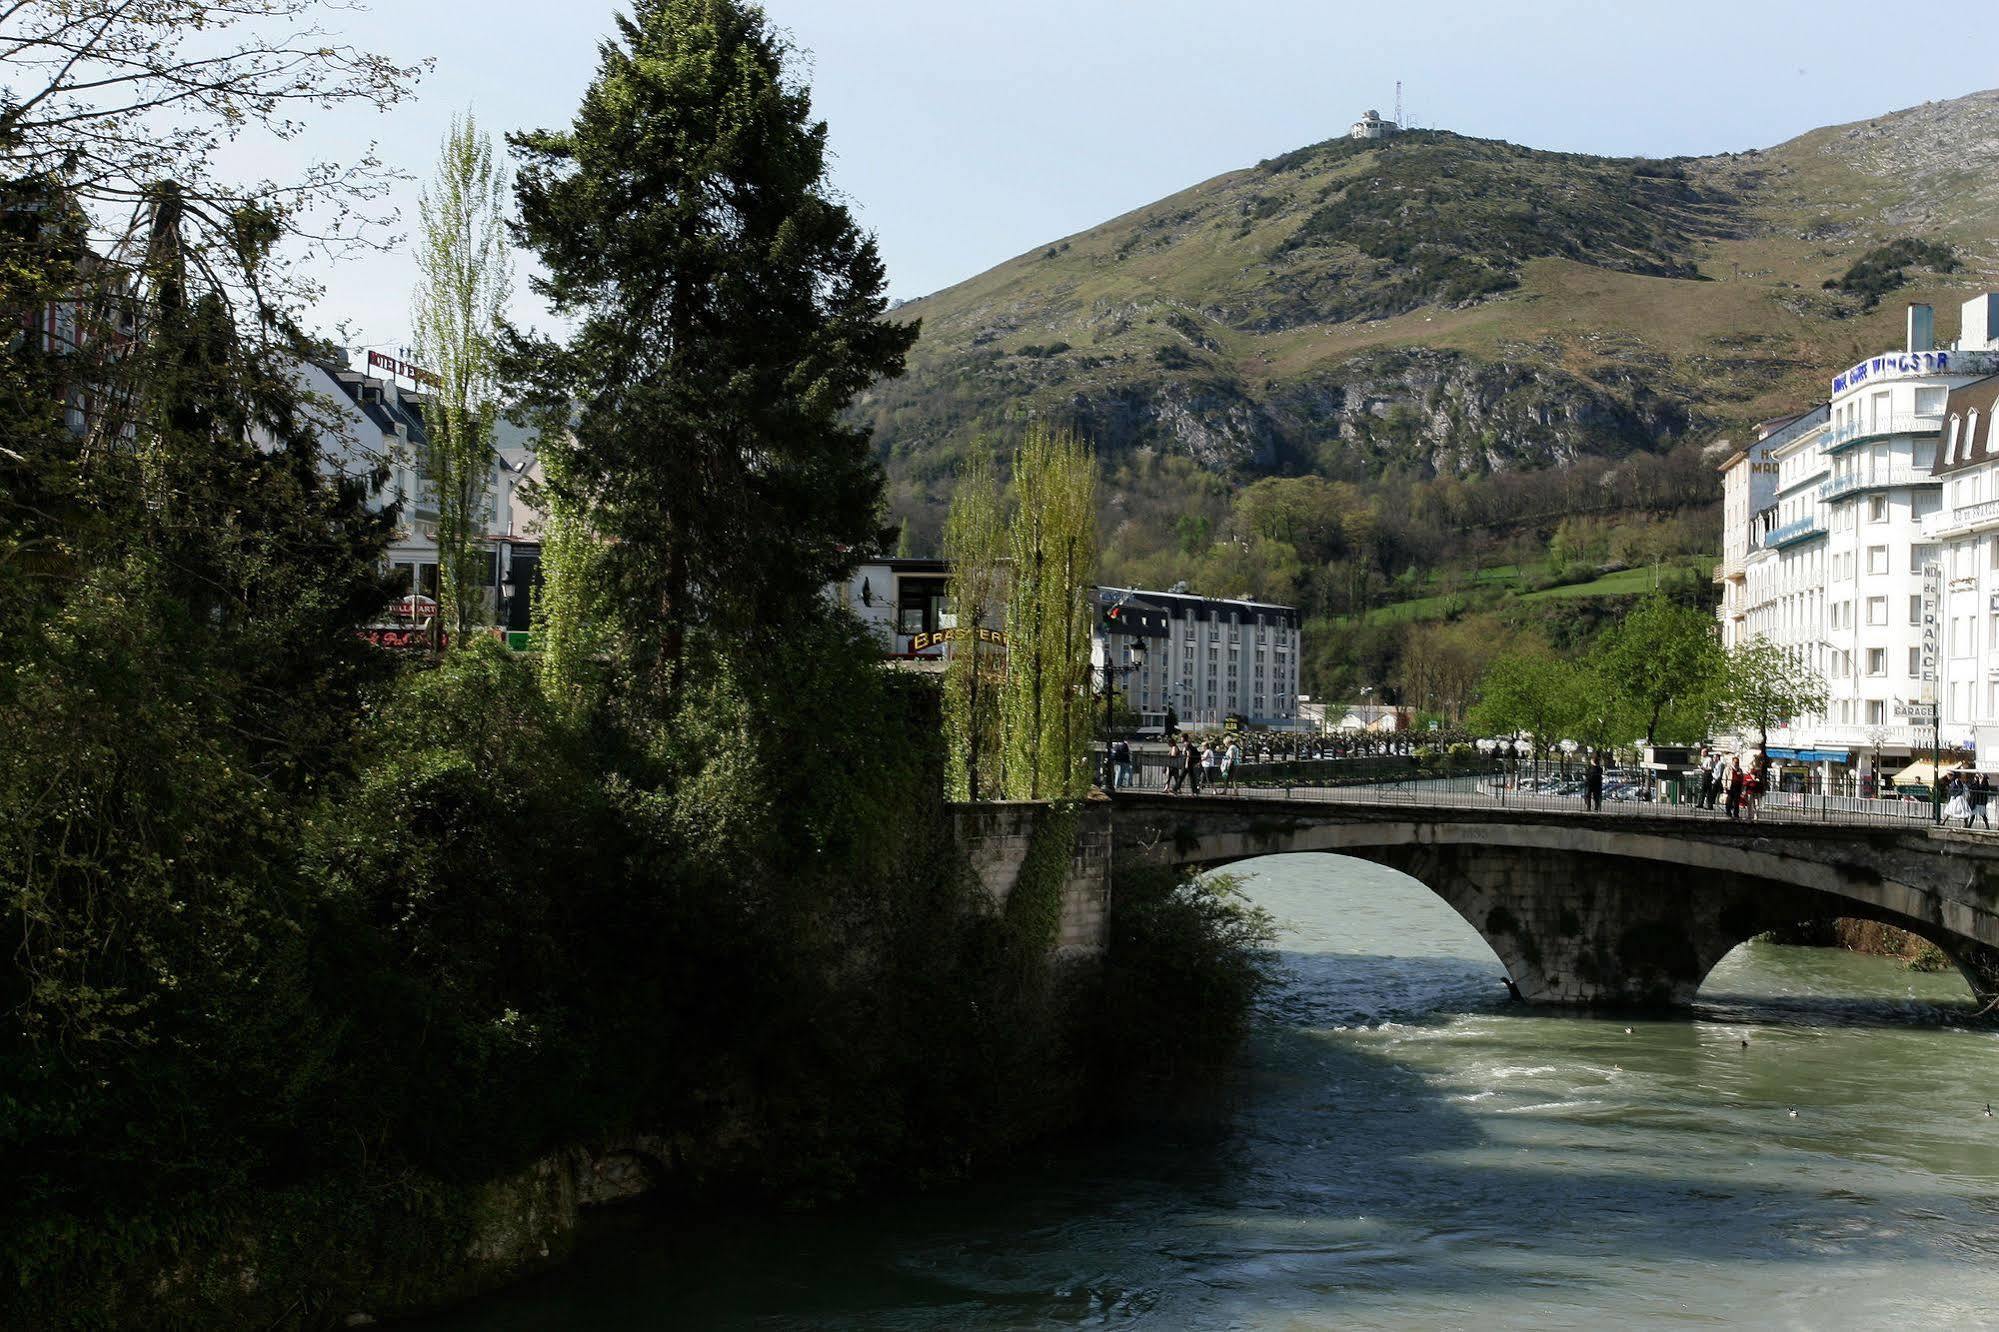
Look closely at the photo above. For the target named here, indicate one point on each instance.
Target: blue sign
(1899, 363)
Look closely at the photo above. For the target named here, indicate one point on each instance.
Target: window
(1930, 401)
(1920, 555)
(1961, 635)
(1915, 663)
(1877, 661)
(1877, 712)
(1915, 608)
(1877, 610)
(1877, 559)
(1877, 508)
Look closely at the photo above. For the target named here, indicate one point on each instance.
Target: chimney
(1922, 328)
(1980, 329)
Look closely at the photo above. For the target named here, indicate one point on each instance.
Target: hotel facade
(1863, 538)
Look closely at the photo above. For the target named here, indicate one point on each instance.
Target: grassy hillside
(1449, 305)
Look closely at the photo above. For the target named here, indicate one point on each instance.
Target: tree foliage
(727, 311)
(464, 280)
(1050, 608)
(1665, 663)
(975, 544)
(1767, 686)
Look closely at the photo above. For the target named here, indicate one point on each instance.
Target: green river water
(1409, 1150)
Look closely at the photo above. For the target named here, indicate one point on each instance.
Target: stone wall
(995, 837)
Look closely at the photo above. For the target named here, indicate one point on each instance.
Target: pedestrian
(1190, 761)
(1593, 783)
(1231, 765)
(1120, 763)
(1957, 801)
(1734, 780)
(1753, 783)
(1211, 763)
(1176, 772)
(1710, 778)
(1981, 797)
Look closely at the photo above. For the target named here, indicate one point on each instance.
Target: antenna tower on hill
(1398, 105)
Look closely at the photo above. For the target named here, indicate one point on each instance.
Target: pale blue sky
(966, 133)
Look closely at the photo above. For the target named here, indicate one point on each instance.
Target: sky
(965, 133)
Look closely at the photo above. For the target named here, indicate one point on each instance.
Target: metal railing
(1546, 789)
(1844, 436)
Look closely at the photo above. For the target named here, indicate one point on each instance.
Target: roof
(1968, 439)
(1186, 603)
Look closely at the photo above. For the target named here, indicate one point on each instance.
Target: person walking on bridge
(1733, 781)
(1176, 767)
(1190, 767)
(1981, 798)
(1231, 766)
(1211, 763)
(1593, 784)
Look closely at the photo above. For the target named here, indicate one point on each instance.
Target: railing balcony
(1839, 437)
(1886, 479)
(1793, 532)
(1964, 518)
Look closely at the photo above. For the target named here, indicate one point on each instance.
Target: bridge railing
(1551, 787)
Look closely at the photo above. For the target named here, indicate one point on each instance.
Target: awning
(1920, 773)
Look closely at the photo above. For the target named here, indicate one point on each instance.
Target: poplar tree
(975, 544)
(1046, 704)
(727, 311)
(465, 279)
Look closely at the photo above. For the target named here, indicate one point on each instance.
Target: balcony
(1965, 518)
(1886, 479)
(1839, 438)
(1790, 534)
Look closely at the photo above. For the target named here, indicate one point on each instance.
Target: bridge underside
(1583, 929)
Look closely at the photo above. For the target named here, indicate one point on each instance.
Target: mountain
(1435, 304)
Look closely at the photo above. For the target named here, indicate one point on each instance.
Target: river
(1409, 1150)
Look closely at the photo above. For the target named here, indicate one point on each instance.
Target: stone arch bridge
(1613, 909)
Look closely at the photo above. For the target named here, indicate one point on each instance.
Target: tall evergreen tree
(727, 312)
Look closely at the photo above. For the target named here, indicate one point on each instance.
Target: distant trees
(1665, 662)
(1766, 685)
(1658, 675)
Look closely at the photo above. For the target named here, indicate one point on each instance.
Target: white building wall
(1838, 579)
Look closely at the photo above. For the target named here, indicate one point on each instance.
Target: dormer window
(1950, 441)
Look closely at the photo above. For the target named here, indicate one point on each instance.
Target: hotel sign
(1895, 364)
(407, 370)
(1932, 596)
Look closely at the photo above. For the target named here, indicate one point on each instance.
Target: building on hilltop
(1874, 560)
(1372, 126)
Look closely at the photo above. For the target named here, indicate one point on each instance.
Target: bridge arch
(1607, 911)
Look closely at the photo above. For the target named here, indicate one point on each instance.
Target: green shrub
(1187, 957)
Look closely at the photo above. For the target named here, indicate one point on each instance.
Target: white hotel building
(1215, 659)
(1897, 471)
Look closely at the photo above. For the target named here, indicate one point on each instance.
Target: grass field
(1504, 583)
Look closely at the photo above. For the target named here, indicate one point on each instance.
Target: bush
(1187, 958)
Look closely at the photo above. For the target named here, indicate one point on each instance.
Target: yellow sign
(939, 638)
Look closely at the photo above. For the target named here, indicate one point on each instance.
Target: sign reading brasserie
(939, 637)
